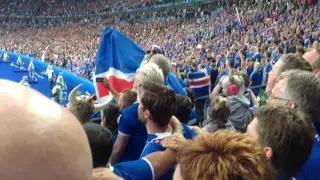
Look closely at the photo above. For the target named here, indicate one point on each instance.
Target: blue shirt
(188, 133)
(311, 170)
(131, 126)
(174, 83)
(134, 170)
(276, 59)
(154, 145)
(256, 78)
(193, 118)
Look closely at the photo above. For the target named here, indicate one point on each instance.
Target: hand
(173, 142)
(176, 125)
(104, 174)
(106, 83)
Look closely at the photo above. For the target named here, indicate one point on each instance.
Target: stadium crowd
(149, 132)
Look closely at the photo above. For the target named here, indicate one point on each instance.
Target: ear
(147, 114)
(292, 105)
(269, 153)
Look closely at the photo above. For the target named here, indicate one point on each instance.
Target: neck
(154, 129)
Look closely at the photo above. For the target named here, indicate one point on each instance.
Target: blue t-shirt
(174, 83)
(276, 59)
(184, 83)
(134, 170)
(249, 71)
(311, 170)
(131, 126)
(188, 133)
(154, 145)
(193, 118)
(237, 62)
(256, 78)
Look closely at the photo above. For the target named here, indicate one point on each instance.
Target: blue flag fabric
(200, 84)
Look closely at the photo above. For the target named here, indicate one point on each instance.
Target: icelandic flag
(200, 84)
(118, 58)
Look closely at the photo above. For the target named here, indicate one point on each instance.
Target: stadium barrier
(71, 80)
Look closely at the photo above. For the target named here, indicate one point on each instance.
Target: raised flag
(200, 84)
(118, 58)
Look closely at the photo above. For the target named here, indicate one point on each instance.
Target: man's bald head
(163, 62)
(40, 139)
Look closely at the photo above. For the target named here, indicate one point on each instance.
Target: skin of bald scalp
(39, 139)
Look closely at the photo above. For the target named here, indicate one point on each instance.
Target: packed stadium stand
(160, 89)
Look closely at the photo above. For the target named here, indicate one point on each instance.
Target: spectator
(313, 57)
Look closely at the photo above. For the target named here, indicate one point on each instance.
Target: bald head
(40, 139)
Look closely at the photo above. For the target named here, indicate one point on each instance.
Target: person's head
(101, 143)
(279, 50)
(313, 57)
(157, 104)
(298, 89)
(127, 98)
(233, 85)
(150, 72)
(163, 62)
(110, 116)
(183, 109)
(287, 136)
(154, 49)
(245, 77)
(257, 66)
(39, 138)
(182, 76)
(286, 62)
(220, 112)
(222, 155)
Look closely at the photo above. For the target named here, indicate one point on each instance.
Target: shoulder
(139, 169)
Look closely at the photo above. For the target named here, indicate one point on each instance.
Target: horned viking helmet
(74, 100)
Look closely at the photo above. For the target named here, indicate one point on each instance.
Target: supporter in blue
(183, 79)
(287, 136)
(193, 121)
(110, 117)
(221, 60)
(156, 117)
(250, 67)
(277, 55)
(267, 66)
(171, 80)
(225, 72)
(256, 78)
(132, 133)
(183, 111)
(291, 90)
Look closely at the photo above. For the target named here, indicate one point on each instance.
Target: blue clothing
(311, 170)
(184, 83)
(249, 71)
(256, 78)
(237, 62)
(134, 170)
(276, 59)
(154, 145)
(193, 118)
(131, 126)
(174, 83)
(223, 73)
(188, 133)
(220, 61)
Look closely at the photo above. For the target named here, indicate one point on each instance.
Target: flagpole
(238, 15)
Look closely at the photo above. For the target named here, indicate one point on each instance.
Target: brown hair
(129, 97)
(290, 134)
(224, 155)
(294, 61)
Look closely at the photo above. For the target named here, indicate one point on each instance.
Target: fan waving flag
(200, 84)
(118, 58)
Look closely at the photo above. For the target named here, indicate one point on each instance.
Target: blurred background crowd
(254, 53)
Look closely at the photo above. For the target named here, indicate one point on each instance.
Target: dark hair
(110, 115)
(184, 108)
(191, 95)
(84, 111)
(101, 143)
(290, 134)
(129, 97)
(294, 61)
(219, 113)
(160, 101)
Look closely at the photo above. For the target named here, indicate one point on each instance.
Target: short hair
(150, 72)
(184, 108)
(290, 134)
(224, 155)
(294, 61)
(245, 77)
(129, 97)
(101, 143)
(303, 88)
(110, 115)
(220, 112)
(163, 62)
(160, 101)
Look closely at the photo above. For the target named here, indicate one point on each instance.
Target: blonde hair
(150, 72)
(224, 155)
